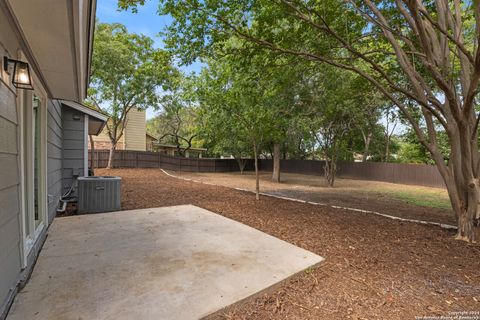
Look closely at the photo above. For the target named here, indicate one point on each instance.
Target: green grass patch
(423, 199)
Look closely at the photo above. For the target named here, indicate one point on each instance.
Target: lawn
(414, 202)
(422, 198)
(375, 268)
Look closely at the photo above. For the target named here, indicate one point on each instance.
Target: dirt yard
(375, 268)
(406, 201)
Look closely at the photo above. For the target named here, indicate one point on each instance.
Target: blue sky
(146, 22)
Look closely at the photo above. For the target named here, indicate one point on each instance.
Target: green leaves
(236, 106)
(127, 72)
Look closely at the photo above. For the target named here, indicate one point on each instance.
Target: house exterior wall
(10, 236)
(136, 130)
(13, 274)
(10, 253)
(102, 141)
(149, 142)
(46, 145)
(73, 127)
(134, 134)
(55, 157)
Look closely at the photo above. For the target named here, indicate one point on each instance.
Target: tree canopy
(127, 71)
(422, 56)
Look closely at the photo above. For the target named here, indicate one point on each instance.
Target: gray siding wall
(54, 152)
(12, 275)
(73, 146)
(10, 254)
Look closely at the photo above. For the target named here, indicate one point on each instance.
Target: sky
(146, 22)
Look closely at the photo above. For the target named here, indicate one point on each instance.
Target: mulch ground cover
(375, 268)
(299, 186)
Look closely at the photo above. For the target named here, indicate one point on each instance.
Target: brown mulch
(379, 203)
(375, 268)
(356, 194)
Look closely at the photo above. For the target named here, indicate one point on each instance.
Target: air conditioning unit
(99, 194)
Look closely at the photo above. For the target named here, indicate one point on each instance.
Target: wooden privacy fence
(414, 174)
(146, 159)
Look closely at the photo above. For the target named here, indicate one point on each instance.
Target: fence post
(136, 159)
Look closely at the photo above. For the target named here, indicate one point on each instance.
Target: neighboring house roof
(96, 120)
(150, 136)
(58, 42)
(175, 147)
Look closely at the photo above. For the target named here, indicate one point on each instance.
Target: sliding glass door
(33, 166)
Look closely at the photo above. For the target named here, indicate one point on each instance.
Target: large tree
(127, 71)
(237, 102)
(176, 122)
(422, 55)
(332, 112)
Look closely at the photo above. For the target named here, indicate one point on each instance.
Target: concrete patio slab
(179, 262)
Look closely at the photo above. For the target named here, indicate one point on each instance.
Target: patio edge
(266, 290)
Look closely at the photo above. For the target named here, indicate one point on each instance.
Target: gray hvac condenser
(99, 194)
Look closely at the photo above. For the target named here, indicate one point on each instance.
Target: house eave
(97, 120)
(58, 37)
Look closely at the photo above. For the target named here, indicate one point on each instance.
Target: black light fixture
(21, 73)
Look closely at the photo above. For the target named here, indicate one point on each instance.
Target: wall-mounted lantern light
(21, 73)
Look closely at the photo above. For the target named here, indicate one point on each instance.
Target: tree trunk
(110, 156)
(276, 162)
(387, 150)
(367, 141)
(465, 205)
(257, 178)
(330, 169)
(461, 179)
(92, 154)
(241, 164)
